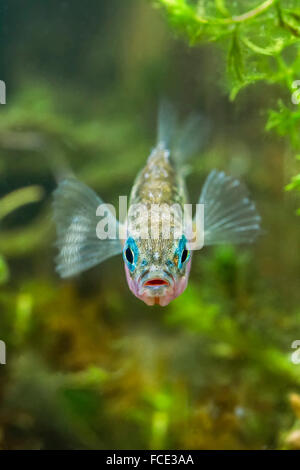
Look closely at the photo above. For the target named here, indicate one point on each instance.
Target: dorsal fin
(183, 141)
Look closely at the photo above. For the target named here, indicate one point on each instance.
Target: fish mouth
(156, 282)
(156, 287)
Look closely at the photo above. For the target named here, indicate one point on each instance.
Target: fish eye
(184, 255)
(129, 255)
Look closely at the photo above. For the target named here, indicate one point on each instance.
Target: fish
(155, 241)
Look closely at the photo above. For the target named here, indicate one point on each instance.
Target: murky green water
(87, 364)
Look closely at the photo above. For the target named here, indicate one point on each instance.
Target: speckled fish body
(159, 182)
(158, 276)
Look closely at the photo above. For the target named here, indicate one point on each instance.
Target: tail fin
(229, 215)
(183, 140)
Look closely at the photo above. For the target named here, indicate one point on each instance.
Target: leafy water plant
(261, 43)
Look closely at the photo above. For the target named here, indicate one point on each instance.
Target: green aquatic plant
(4, 271)
(19, 198)
(260, 41)
(8, 204)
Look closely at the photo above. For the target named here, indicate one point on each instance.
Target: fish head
(157, 270)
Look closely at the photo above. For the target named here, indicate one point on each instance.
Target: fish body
(159, 190)
(159, 182)
(155, 242)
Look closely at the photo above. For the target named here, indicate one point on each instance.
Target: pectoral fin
(75, 207)
(229, 215)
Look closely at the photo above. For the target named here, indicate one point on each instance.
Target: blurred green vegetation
(88, 364)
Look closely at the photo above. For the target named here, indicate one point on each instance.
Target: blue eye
(182, 252)
(131, 253)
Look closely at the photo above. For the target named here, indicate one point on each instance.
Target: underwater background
(88, 365)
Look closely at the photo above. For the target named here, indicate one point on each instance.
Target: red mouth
(156, 282)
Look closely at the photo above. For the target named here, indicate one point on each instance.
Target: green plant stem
(255, 12)
(18, 198)
(241, 18)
